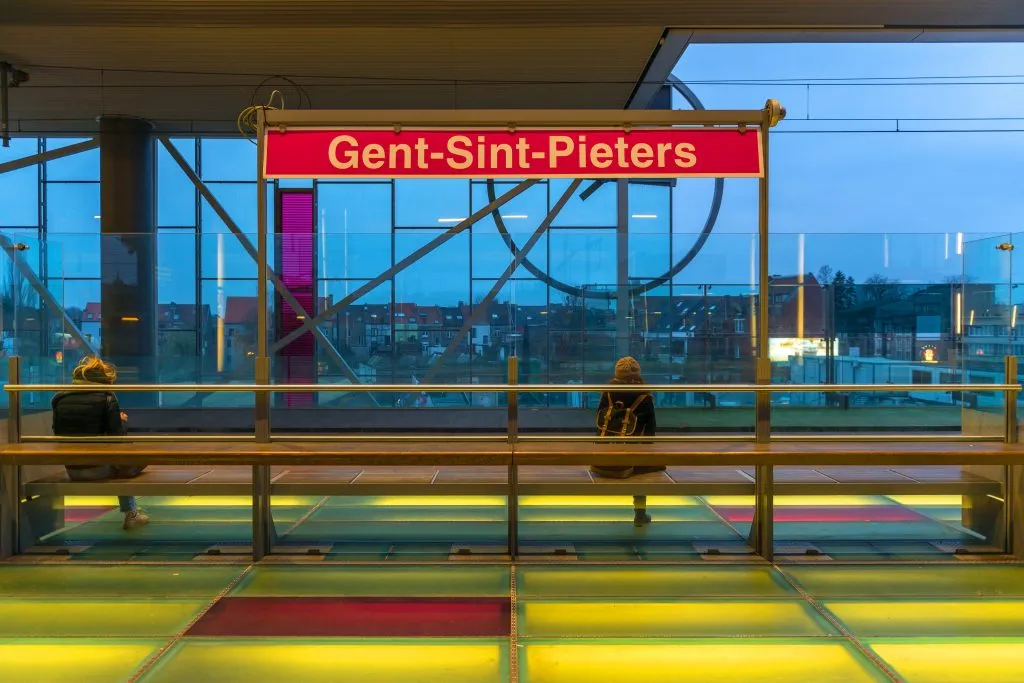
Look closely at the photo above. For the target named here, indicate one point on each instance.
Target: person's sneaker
(641, 519)
(135, 520)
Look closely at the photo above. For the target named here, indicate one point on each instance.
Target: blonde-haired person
(96, 413)
(612, 421)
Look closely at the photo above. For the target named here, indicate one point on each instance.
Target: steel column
(262, 521)
(763, 370)
(261, 473)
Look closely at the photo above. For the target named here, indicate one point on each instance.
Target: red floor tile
(283, 617)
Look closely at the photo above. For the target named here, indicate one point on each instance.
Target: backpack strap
(602, 427)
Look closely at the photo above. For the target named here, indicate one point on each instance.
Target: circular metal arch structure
(675, 269)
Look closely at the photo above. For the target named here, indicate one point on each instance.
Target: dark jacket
(86, 414)
(646, 421)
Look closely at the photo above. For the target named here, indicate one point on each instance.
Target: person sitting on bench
(96, 414)
(623, 414)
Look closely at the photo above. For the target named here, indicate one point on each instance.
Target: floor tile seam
(836, 623)
(513, 630)
(304, 518)
(169, 645)
(729, 525)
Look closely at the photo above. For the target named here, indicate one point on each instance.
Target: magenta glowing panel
(296, 264)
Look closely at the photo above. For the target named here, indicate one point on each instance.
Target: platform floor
(432, 528)
(548, 623)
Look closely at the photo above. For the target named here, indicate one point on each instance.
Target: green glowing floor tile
(158, 530)
(408, 514)
(78, 660)
(722, 661)
(688, 513)
(910, 580)
(996, 660)
(451, 532)
(645, 582)
(333, 660)
(455, 580)
(713, 619)
(114, 580)
(931, 618)
(43, 618)
(623, 529)
(867, 531)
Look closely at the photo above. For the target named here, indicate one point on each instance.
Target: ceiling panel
(194, 64)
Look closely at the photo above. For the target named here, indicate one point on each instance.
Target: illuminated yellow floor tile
(910, 580)
(931, 618)
(647, 582)
(669, 619)
(82, 661)
(955, 661)
(32, 618)
(928, 501)
(613, 661)
(330, 661)
(604, 501)
(437, 501)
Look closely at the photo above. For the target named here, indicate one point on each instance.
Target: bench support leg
(513, 512)
(762, 536)
(262, 520)
(10, 515)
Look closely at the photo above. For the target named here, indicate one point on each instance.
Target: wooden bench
(471, 468)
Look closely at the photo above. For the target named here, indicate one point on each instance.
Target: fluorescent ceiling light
(450, 220)
(515, 216)
(644, 215)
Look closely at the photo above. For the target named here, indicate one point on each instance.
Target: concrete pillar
(128, 250)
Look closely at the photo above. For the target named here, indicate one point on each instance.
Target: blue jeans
(102, 472)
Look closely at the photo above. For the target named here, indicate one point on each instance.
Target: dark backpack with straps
(618, 419)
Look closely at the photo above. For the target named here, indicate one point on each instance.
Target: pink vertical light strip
(296, 268)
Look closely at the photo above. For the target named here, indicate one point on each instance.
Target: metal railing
(1010, 390)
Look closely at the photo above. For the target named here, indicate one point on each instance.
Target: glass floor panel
(667, 661)
(955, 661)
(396, 581)
(709, 618)
(651, 582)
(60, 661)
(31, 618)
(910, 580)
(932, 618)
(329, 661)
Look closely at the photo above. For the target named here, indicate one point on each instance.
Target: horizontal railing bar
(521, 118)
(904, 437)
(160, 438)
(517, 388)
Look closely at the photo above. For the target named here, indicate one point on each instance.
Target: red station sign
(500, 153)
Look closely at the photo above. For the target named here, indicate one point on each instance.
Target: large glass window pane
(231, 348)
(73, 207)
(20, 188)
(228, 159)
(354, 208)
(238, 200)
(223, 256)
(356, 255)
(176, 195)
(520, 218)
(176, 266)
(440, 277)
(649, 229)
(81, 166)
(583, 258)
(593, 204)
(430, 203)
(80, 253)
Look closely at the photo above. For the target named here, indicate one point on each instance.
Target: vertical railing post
(10, 475)
(1011, 473)
(1010, 431)
(262, 521)
(513, 470)
(761, 529)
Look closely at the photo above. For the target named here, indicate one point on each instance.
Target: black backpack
(618, 419)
